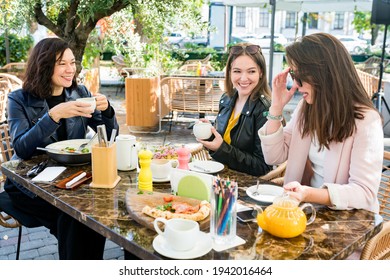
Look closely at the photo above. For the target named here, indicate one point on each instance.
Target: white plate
(267, 193)
(203, 246)
(206, 166)
(161, 180)
(73, 143)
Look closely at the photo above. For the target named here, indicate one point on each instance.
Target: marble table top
(333, 234)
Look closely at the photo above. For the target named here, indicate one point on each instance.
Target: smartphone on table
(247, 215)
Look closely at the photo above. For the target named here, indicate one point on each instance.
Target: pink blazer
(352, 169)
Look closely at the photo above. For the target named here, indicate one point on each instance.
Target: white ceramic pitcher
(127, 158)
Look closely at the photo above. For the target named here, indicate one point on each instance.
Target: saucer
(206, 166)
(267, 193)
(161, 180)
(201, 248)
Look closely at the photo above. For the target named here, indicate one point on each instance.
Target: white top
(317, 161)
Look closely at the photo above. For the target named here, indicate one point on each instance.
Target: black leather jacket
(244, 154)
(31, 127)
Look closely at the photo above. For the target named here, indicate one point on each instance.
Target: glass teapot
(285, 218)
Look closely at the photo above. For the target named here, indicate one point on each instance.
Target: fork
(257, 188)
(82, 146)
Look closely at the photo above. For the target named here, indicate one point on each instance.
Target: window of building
(290, 19)
(313, 20)
(263, 18)
(338, 21)
(240, 16)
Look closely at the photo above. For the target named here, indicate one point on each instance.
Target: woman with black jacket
(44, 111)
(242, 112)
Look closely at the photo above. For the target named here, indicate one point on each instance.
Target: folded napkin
(49, 174)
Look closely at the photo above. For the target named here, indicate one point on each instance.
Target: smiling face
(306, 89)
(245, 75)
(64, 71)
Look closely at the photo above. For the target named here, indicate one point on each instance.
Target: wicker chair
(276, 175)
(8, 83)
(200, 153)
(384, 190)
(378, 247)
(11, 217)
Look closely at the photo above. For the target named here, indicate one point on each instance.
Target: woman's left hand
(101, 101)
(215, 144)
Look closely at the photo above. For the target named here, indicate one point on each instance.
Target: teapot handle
(313, 212)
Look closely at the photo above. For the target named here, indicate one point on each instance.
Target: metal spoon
(257, 188)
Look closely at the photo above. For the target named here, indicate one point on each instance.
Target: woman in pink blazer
(334, 141)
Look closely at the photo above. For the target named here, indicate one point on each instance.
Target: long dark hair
(40, 67)
(262, 88)
(339, 97)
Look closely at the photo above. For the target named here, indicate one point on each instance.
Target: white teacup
(202, 130)
(90, 100)
(161, 168)
(180, 234)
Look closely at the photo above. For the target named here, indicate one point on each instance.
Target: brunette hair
(338, 94)
(40, 67)
(262, 88)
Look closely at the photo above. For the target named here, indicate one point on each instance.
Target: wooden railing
(370, 82)
(193, 94)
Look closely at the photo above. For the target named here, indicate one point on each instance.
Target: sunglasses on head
(299, 81)
(251, 49)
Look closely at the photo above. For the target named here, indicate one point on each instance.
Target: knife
(201, 168)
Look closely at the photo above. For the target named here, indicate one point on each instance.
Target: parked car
(175, 38)
(179, 40)
(353, 44)
(264, 39)
(198, 40)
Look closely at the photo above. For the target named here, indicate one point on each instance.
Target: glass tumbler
(223, 223)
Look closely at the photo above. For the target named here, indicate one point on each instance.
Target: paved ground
(38, 243)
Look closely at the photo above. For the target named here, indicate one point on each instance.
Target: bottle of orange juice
(145, 179)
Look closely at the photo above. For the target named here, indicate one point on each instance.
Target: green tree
(74, 20)
(362, 22)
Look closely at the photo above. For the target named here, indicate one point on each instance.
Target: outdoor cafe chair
(11, 217)
(384, 189)
(378, 247)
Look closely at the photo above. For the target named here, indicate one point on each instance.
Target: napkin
(49, 174)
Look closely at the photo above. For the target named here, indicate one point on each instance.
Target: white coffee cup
(180, 234)
(161, 168)
(90, 100)
(126, 152)
(202, 130)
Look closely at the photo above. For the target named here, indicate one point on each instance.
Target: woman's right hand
(280, 95)
(70, 109)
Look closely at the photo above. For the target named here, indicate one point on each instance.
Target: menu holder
(104, 167)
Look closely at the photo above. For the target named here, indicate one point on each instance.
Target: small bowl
(202, 130)
(90, 100)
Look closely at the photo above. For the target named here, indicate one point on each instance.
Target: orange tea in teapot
(284, 218)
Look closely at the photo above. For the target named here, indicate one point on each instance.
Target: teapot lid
(285, 201)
